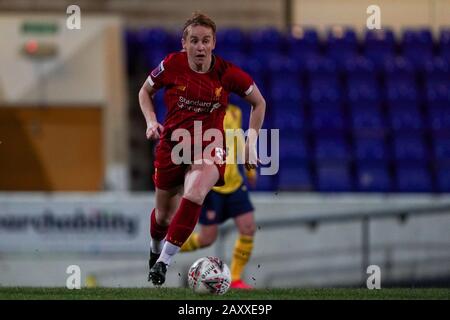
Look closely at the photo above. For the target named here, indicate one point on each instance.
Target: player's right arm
(147, 105)
(159, 78)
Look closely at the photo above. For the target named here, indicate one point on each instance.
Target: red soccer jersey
(191, 96)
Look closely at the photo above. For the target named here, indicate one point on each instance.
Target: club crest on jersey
(158, 70)
(218, 93)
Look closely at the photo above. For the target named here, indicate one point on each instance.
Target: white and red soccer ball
(209, 275)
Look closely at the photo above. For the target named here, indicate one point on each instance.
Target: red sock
(184, 221)
(157, 231)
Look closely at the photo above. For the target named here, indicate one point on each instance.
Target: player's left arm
(257, 114)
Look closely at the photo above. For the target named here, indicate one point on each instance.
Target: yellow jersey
(233, 178)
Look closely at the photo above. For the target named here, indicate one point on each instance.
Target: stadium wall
(397, 14)
(250, 14)
(43, 148)
(87, 72)
(107, 236)
(168, 14)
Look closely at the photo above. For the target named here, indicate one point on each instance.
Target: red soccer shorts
(169, 175)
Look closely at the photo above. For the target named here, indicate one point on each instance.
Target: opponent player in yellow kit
(229, 201)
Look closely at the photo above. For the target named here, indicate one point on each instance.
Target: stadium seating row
(339, 42)
(369, 114)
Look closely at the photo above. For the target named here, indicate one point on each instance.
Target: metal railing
(363, 216)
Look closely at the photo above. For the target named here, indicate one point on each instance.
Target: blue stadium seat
(174, 41)
(294, 176)
(373, 177)
(327, 120)
(399, 70)
(233, 56)
(367, 120)
(152, 37)
(258, 71)
(325, 97)
(439, 119)
(444, 43)
(405, 119)
(342, 44)
(437, 71)
(286, 93)
(400, 82)
(379, 45)
(331, 148)
(265, 56)
(441, 148)
(443, 177)
(360, 71)
(265, 183)
(360, 66)
(438, 95)
(363, 94)
(254, 66)
(322, 73)
(154, 58)
(410, 148)
(293, 147)
(266, 40)
(334, 177)
(401, 95)
(303, 43)
(155, 43)
(230, 38)
(261, 82)
(362, 84)
(413, 178)
(418, 46)
(370, 149)
(160, 107)
(288, 117)
(283, 70)
(284, 65)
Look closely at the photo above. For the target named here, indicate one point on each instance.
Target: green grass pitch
(23, 293)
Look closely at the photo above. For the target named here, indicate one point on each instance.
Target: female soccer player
(197, 84)
(229, 201)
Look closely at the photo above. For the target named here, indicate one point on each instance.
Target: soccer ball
(209, 275)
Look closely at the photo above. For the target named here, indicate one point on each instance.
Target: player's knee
(247, 229)
(163, 217)
(208, 239)
(195, 196)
